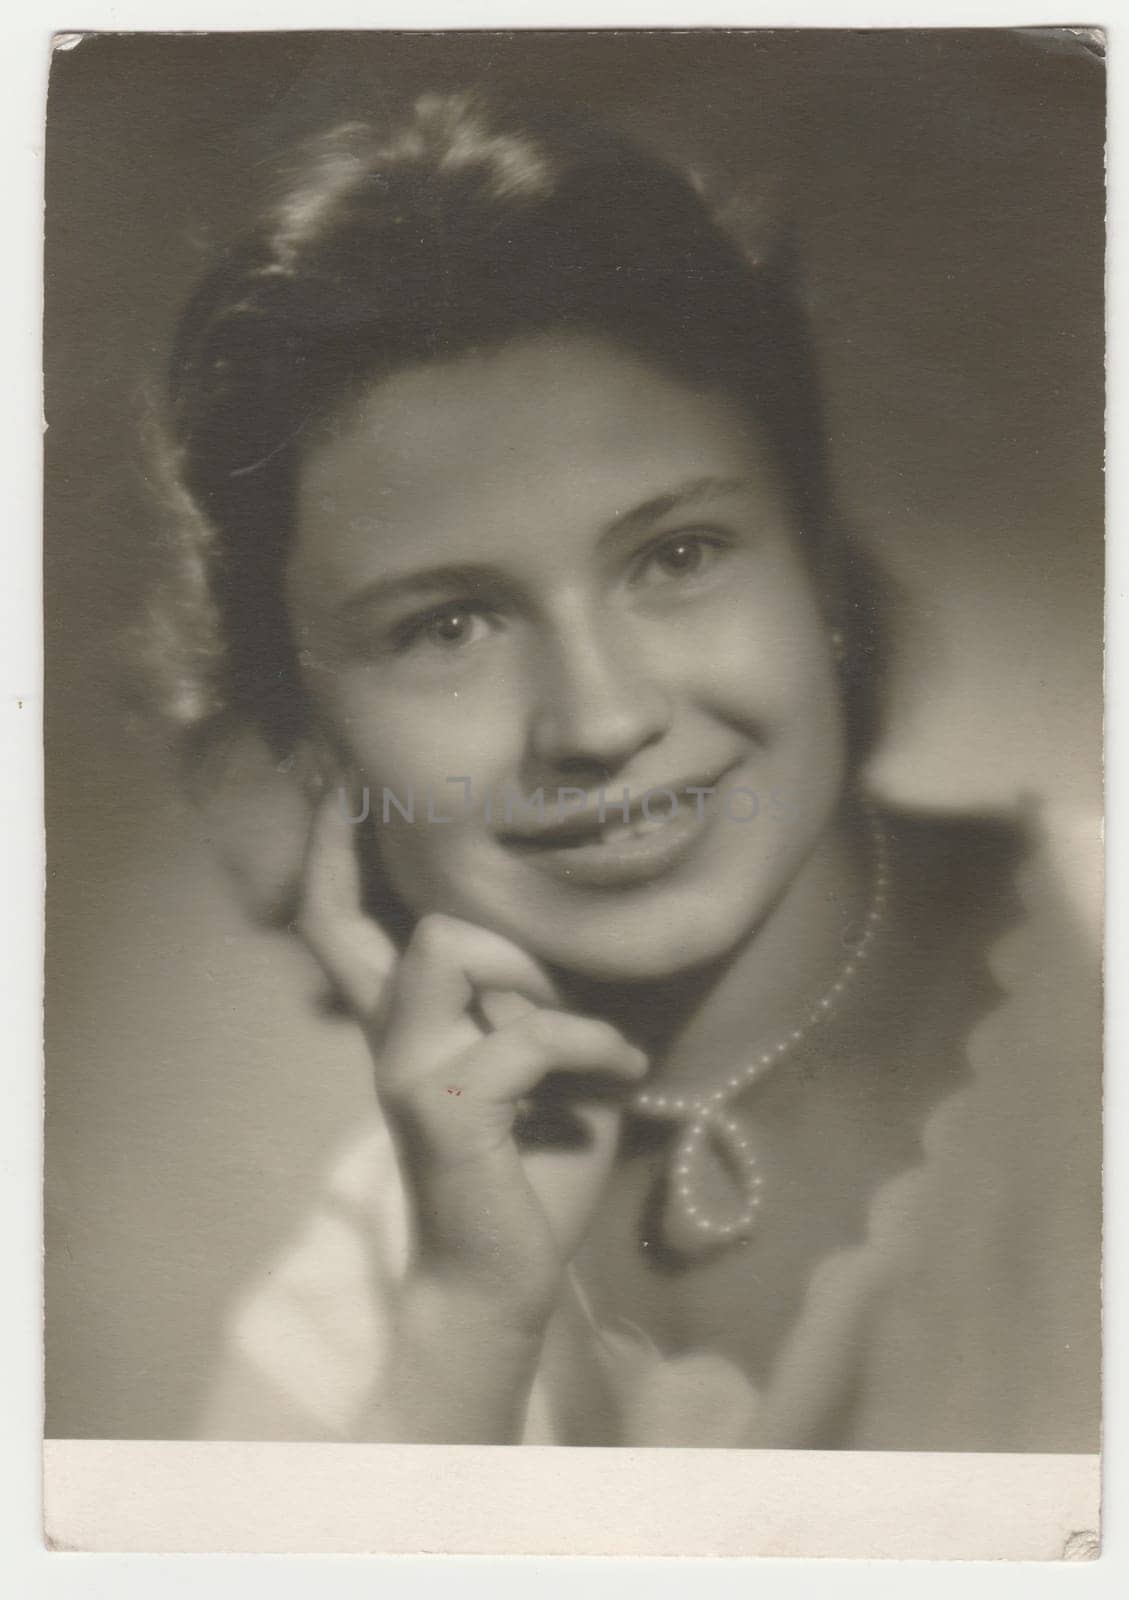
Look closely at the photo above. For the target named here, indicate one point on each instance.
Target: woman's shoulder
(304, 1338)
(995, 868)
(992, 1242)
(998, 917)
(955, 851)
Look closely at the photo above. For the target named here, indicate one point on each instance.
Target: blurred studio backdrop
(945, 194)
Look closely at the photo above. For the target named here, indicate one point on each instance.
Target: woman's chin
(647, 954)
(662, 967)
(650, 936)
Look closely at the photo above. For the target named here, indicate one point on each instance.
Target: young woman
(717, 1104)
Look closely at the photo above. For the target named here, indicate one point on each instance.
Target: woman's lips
(614, 853)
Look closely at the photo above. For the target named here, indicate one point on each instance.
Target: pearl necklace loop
(705, 1116)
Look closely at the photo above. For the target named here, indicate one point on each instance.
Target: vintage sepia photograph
(573, 634)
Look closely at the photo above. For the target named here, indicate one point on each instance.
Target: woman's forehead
(549, 440)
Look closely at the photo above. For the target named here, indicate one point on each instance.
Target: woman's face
(554, 571)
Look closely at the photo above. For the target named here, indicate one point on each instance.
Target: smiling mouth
(611, 819)
(582, 832)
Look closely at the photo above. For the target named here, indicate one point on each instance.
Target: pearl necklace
(706, 1116)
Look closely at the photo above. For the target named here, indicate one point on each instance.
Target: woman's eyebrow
(471, 578)
(685, 496)
(401, 586)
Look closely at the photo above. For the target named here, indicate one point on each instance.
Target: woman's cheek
(759, 663)
(430, 749)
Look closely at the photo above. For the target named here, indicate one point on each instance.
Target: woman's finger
(512, 1062)
(500, 1007)
(354, 951)
(447, 967)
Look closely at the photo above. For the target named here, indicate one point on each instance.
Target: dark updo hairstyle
(461, 230)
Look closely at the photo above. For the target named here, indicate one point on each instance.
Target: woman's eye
(683, 555)
(450, 627)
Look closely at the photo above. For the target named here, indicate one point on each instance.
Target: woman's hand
(462, 1027)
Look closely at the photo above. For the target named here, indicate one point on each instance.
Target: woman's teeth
(619, 832)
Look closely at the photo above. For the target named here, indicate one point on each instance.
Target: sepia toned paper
(214, 1149)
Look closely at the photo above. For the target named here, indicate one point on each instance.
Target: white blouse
(965, 1319)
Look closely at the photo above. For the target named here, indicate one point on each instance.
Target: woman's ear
(321, 764)
(256, 808)
(315, 765)
(830, 577)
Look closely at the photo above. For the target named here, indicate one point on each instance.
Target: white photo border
(25, 1565)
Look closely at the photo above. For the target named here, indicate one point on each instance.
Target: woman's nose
(597, 706)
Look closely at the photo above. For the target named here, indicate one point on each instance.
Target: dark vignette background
(946, 191)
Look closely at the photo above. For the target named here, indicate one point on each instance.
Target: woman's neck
(700, 1026)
